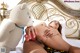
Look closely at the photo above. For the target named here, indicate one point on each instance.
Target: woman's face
(54, 24)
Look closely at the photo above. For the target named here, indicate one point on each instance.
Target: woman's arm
(54, 39)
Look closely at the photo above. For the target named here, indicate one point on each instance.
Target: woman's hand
(48, 33)
(30, 33)
(51, 33)
(44, 37)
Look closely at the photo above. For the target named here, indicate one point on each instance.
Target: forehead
(54, 22)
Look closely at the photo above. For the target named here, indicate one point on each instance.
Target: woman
(50, 36)
(54, 25)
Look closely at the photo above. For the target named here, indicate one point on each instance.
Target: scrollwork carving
(72, 25)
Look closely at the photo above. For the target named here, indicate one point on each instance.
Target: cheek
(54, 26)
(57, 26)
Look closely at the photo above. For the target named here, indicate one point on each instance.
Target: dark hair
(59, 28)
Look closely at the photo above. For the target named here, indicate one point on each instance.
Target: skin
(53, 39)
(74, 49)
(49, 36)
(29, 46)
(33, 47)
(54, 25)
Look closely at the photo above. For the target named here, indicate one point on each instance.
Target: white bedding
(73, 42)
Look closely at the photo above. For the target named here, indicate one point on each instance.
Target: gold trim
(73, 13)
(55, 8)
(57, 14)
(72, 27)
(41, 14)
(60, 11)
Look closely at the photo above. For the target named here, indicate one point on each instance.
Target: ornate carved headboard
(51, 10)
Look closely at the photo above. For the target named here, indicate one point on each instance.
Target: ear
(23, 6)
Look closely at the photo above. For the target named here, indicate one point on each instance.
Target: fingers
(33, 35)
(48, 33)
(27, 37)
(30, 33)
(27, 30)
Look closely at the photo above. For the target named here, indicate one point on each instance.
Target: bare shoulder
(41, 25)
